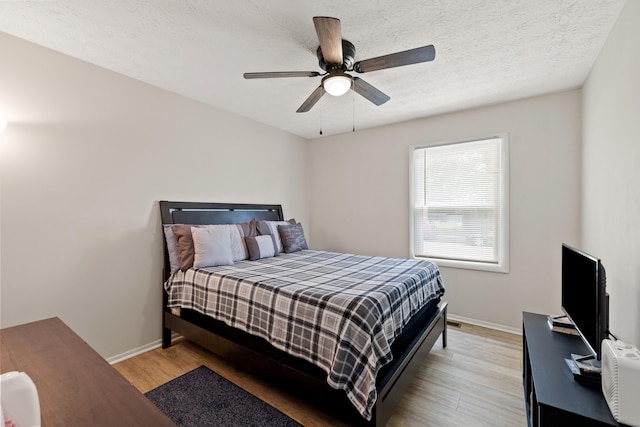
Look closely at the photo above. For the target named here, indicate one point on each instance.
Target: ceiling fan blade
(270, 75)
(330, 37)
(407, 57)
(311, 100)
(369, 92)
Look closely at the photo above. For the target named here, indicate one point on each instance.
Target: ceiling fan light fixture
(336, 55)
(337, 84)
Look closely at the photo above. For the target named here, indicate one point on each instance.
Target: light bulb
(337, 84)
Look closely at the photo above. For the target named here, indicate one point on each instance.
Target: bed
(345, 329)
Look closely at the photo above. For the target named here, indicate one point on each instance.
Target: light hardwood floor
(475, 381)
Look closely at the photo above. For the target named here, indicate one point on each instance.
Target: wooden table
(76, 386)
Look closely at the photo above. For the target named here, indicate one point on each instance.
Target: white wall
(360, 199)
(611, 170)
(84, 161)
(89, 153)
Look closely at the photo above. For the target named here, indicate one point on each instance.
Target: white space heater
(621, 381)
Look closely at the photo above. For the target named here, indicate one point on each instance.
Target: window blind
(457, 201)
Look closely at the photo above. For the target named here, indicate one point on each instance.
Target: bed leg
(444, 331)
(166, 332)
(166, 338)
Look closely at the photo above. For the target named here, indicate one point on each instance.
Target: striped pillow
(260, 247)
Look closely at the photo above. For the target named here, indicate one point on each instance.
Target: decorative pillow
(184, 245)
(292, 237)
(271, 227)
(249, 228)
(260, 247)
(212, 246)
(174, 261)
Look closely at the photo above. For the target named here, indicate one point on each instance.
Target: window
(459, 204)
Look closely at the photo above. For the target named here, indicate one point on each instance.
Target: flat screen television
(584, 297)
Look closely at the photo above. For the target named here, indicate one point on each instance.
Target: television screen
(584, 298)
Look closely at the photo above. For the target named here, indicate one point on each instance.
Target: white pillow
(212, 246)
(238, 246)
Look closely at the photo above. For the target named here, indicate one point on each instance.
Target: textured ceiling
(487, 51)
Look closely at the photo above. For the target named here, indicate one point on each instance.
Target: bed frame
(257, 356)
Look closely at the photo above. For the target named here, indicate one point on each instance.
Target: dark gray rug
(203, 398)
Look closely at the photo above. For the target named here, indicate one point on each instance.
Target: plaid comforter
(338, 311)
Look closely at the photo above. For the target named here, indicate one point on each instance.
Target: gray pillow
(249, 228)
(174, 261)
(292, 237)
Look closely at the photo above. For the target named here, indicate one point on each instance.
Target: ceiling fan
(336, 56)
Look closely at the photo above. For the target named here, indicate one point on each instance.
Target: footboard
(408, 365)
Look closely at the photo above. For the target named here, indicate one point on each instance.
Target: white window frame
(502, 265)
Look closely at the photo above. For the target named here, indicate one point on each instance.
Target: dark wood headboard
(213, 213)
(217, 213)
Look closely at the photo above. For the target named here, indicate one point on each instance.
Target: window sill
(468, 265)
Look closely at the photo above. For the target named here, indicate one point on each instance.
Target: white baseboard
(139, 350)
(496, 326)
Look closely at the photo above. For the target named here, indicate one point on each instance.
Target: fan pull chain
(320, 122)
(354, 115)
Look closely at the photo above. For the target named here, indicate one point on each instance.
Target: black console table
(552, 396)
